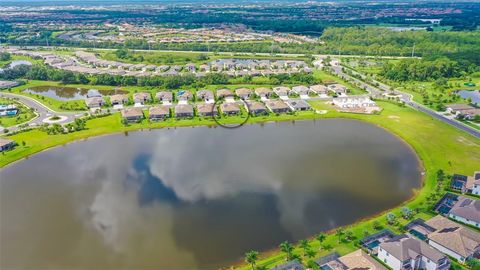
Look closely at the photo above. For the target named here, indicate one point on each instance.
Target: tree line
(44, 73)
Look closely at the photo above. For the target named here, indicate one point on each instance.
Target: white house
(404, 253)
(453, 239)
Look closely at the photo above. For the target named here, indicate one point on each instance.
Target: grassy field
(24, 115)
(447, 150)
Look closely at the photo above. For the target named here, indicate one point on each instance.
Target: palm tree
(251, 257)
(321, 237)
(311, 253)
(339, 233)
(305, 245)
(287, 248)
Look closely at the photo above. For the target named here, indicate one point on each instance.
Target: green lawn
(438, 145)
(24, 115)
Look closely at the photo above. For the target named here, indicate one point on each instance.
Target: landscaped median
(439, 146)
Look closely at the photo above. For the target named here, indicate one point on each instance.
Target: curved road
(43, 112)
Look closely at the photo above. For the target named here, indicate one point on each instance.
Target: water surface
(196, 198)
(70, 93)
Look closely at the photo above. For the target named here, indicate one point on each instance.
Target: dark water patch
(196, 198)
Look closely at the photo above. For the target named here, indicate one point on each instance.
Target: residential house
(470, 114)
(206, 109)
(230, 108)
(355, 260)
(224, 93)
(118, 99)
(206, 95)
(458, 109)
(94, 102)
(354, 102)
(298, 105)
(183, 110)
(263, 92)
(459, 183)
(184, 95)
(132, 114)
(404, 253)
(164, 97)
(466, 210)
(8, 110)
(476, 183)
(282, 92)
(277, 106)
(6, 144)
(453, 239)
(291, 265)
(256, 108)
(319, 89)
(243, 93)
(337, 89)
(142, 97)
(158, 112)
(190, 67)
(301, 90)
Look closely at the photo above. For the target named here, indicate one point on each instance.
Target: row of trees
(40, 72)
(427, 70)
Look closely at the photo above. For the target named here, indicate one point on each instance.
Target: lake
(196, 198)
(70, 93)
(473, 94)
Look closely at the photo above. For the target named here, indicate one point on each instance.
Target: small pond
(70, 93)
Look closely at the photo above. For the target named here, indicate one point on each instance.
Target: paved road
(42, 111)
(405, 97)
